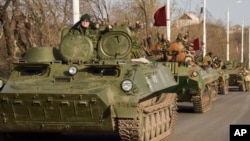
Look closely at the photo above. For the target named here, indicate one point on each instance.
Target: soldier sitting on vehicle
(165, 43)
(84, 23)
(207, 60)
(217, 63)
(187, 43)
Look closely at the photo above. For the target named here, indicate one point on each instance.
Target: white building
(187, 19)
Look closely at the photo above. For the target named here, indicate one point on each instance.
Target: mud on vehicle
(89, 84)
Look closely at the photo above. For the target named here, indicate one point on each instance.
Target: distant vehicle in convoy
(91, 84)
(196, 83)
(237, 77)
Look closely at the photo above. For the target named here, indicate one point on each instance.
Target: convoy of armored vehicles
(92, 83)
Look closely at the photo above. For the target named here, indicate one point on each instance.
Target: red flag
(160, 17)
(196, 43)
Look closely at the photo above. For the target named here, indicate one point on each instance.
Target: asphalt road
(213, 125)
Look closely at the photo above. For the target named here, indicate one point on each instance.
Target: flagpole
(204, 28)
(168, 20)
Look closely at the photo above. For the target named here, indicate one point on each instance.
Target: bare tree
(9, 24)
(47, 19)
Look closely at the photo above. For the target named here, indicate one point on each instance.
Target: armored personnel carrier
(89, 84)
(236, 77)
(196, 83)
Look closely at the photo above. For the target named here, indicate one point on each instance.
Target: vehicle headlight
(194, 73)
(126, 85)
(72, 70)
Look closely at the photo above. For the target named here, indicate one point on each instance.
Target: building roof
(190, 16)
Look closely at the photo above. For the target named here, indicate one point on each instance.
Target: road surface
(213, 125)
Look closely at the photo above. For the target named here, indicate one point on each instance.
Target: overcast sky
(239, 12)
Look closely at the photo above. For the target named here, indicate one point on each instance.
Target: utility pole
(242, 42)
(228, 34)
(76, 11)
(168, 20)
(228, 30)
(204, 28)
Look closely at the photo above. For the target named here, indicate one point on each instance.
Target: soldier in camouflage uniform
(84, 24)
(187, 43)
(163, 41)
(207, 60)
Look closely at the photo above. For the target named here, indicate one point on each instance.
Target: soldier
(83, 24)
(187, 43)
(217, 63)
(207, 60)
(163, 41)
(86, 27)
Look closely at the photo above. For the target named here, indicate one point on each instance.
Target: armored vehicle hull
(89, 85)
(237, 79)
(238, 76)
(197, 85)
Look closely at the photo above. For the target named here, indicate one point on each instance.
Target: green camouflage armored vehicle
(236, 77)
(89, 84)
(223, 80)
(196, 84)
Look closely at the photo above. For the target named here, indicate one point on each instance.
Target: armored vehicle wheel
(202, 103)
(155, 121)
(224, 89)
